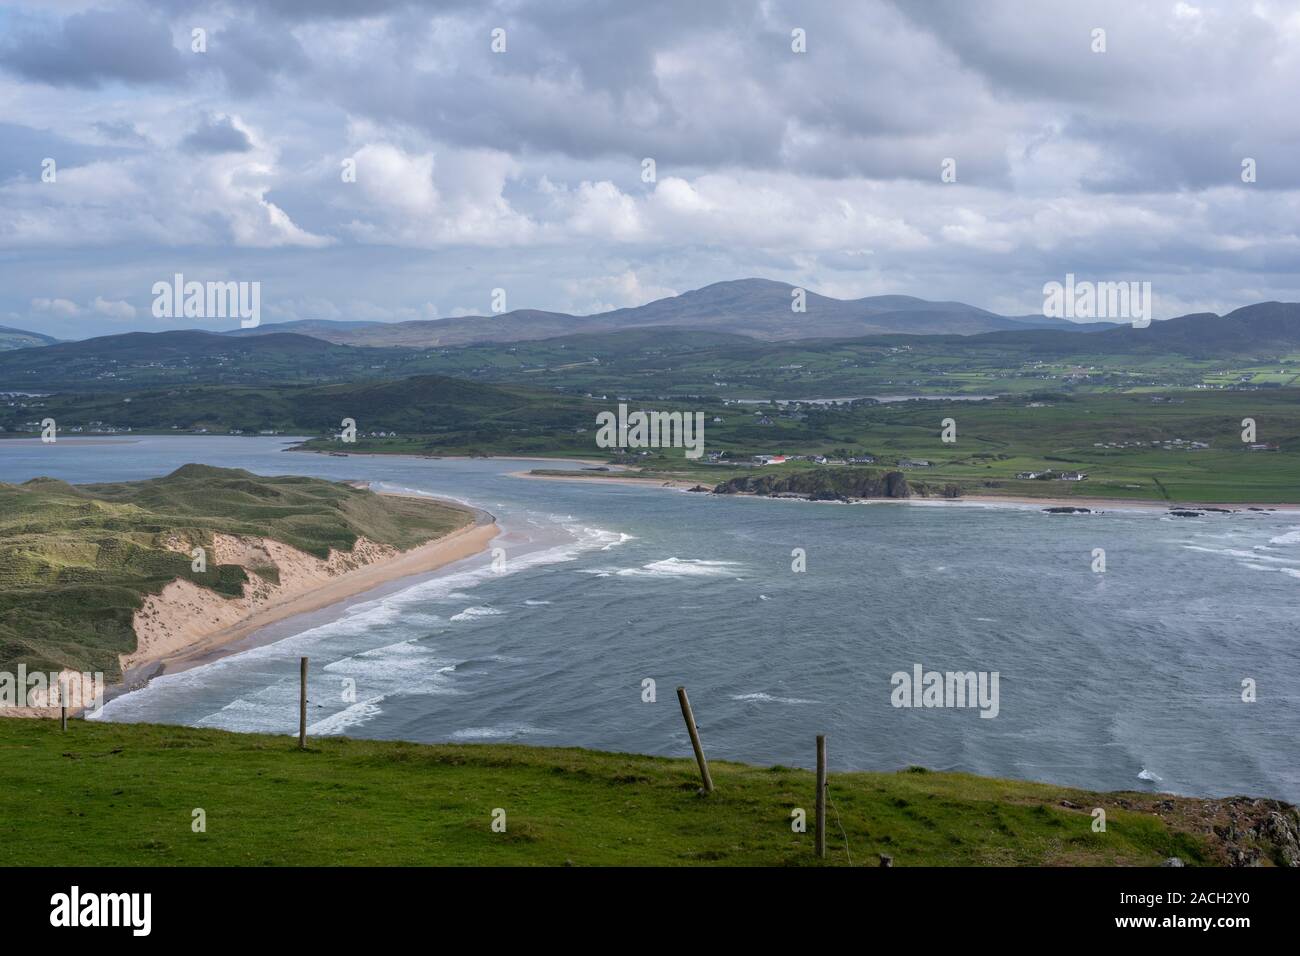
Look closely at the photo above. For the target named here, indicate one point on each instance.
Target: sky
(504, 144)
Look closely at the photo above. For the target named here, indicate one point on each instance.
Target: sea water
(1127, 679)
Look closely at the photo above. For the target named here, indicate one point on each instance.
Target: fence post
(821, 796)
(63, 705)
(302, 706)
(691, 729)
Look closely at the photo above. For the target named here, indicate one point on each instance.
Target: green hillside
(77, 560)
(459, 412)
(192, 357)
(125, 794)
(1255, 346)
(22, 339)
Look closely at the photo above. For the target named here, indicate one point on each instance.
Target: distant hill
(306, 326)
(182, 356)
(760, 308)
(21, 339)
(466, 411)
(661, 359)
(1262, 328)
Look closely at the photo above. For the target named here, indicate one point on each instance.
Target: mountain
(308, 326)
(693, 361)
(1263, 328)
(161, 345)
(759, 308)
(518, 326)
(1260, 327)
(21, 339)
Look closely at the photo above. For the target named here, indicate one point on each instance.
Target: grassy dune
(125, 794)
(76, 561)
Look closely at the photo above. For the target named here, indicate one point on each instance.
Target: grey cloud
(689, 84)
(121, 131)
(95, 47)
(217, 134)
(1107, 165)
(251, 54)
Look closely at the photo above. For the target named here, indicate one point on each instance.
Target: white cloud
(119, 309)
(432, 198)
(604, 293)
(168, 199)
(62, 308)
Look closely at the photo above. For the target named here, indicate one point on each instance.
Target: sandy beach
(186, 624)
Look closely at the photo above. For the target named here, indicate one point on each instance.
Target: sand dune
(185, 621)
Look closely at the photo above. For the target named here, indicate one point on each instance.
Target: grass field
(77, 560)
(125, 794)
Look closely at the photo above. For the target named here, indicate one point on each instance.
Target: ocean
(1127, 679)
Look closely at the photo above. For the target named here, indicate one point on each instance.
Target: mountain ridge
(758, 308)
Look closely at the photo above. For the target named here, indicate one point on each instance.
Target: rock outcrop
(833, 484)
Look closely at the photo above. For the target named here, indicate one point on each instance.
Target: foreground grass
(125, 794)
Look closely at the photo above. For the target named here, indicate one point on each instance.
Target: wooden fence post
(63, 705)
(821, 796)
(302, 707)
(691, 729)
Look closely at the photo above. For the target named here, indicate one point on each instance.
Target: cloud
(119, 309)
(95, 47)
(215, 196)
(62, 308)
(606, 293)
(217, 134)
(67, 309)
(119, 131)
(523, 169)
(430, 198)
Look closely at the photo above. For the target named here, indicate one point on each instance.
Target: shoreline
(1095, 504)
(1013, 501)
(465, 542)
(1127, 503)
(407, 454)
